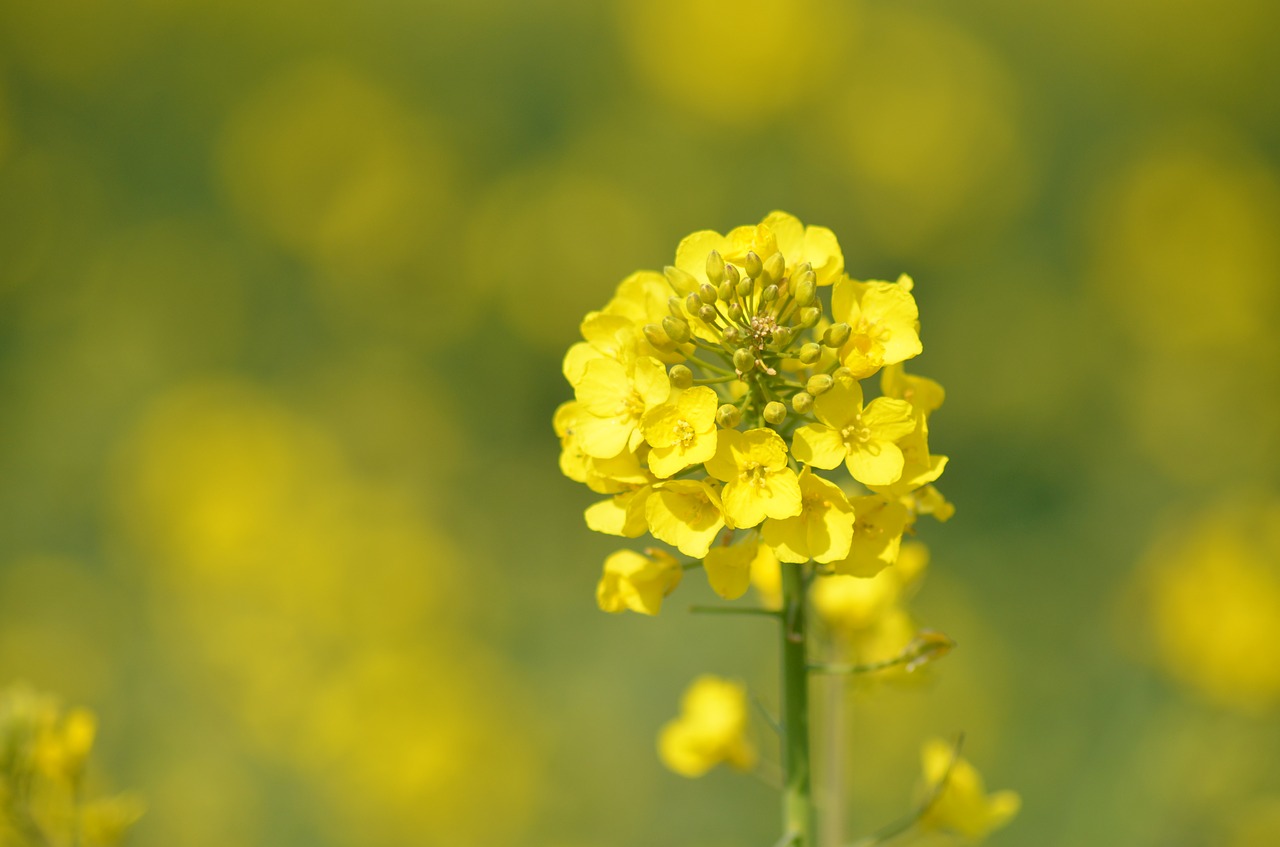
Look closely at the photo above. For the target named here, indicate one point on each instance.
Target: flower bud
(810, 353)
(806, 291)
(774, 412)
(715, 267)
(707, 293)
(675, 307)
(844, 376)
(728, 416)
(725, 291)
(681, 376)
(676, 329)
(774, 267)
(754, 265)
(692, 302)
(707, 313)
(731, 275)
(802, 402)
(783, 336)
(770, 293)
(809, 316)
(743, 359)
(735, 311)
(819, 384)
(801, 269)
(681, 281)
(655, 336)
(745, 286)
(731, 335)
(836, 335)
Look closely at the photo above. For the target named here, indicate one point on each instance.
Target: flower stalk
(797, 795)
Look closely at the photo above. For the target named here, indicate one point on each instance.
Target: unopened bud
(837, 334)
(676, 329)
(928, 646)
(728, 416)
(681, 281)
(774, 267)
(743, 359)
(806, 291)
(809, 316)
(735, 311)
(810, 353)
(655, 336)
(754, 265)
(732, 335)
(802, 402)
(770, 293)
(692, 302)
(725, 291)
(715, 267)
(745, 286)
(675, 306)
(801, 269)
(707, 293)
(774, 412)
(707, 313)
(819, 384)
(681, 376)
(731, 274)
(844, 376)
(783, 336)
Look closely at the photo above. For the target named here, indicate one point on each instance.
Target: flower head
(637, 582)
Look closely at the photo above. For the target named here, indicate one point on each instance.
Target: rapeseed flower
(960, 803)
(711, 729)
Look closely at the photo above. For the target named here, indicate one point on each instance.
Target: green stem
(797, 799)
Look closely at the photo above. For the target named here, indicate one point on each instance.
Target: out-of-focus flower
(637, 582)
(960, 803)
(711, 729)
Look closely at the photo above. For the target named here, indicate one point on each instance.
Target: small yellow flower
(822, 531)
(685, 514)
(863, 438)
(885, 323)
(758, 483)
(778, 232)
(637, 582)
(615, 395)
(682, 433)
(623, 472)
(766, 578)
(622, 514)
(962, 805)
(877, 536)
(925, 395)
(711, 728)
(729, 568)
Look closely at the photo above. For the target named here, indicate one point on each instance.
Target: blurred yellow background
(284, 288)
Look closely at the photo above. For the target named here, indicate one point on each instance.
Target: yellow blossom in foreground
(711, 728)
(637, 582)
(822, 531)
(758, 483)
(683, 432)
(615, 395)
(685, 514)
(863, 438)
(885, 323)
(877, 536)
(962, 805)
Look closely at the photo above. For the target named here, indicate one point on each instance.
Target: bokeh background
(284, 288)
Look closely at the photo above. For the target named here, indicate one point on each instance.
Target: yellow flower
(920, 467)
(615, 395)
(766, 578)
(711, 728)
(685, 514)
(822, 531)
(682, 433)
(778, 232)
(623, 472)
(962, 805)
(885, 323)
(877, 536)
(729, 568)
(758, 483)
(853, 606)
(863, 438)
(637, 582)
(925, 395)
(623, 514)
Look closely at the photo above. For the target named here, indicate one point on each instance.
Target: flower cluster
(720, 407)
(43, 756)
